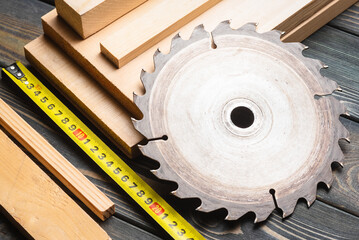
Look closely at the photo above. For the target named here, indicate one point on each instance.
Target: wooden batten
(148, 27)
(63, 170)
(36, 203)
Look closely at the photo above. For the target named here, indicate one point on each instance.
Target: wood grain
(121, 83)
(348, 21)
(36, 202)
(74, 180)
(84, 93)
(87, 17)
(18, 29)
(339, 51)
(317, 20)
(149, 26)
(302, 15)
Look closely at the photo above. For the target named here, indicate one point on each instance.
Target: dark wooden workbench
(335, 214)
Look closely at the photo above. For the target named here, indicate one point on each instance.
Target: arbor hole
(242, 117)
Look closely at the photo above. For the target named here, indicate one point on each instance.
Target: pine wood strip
(317, 20)
(36, 203)
(302, 15)
(149, 26)
(73, 179)
(121, 83)
(85, 93)
(89, 16)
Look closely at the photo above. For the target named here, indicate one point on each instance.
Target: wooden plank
(150, 25)
(302, 15)
(86, 94)
(89, 16)
(36, 202)
(318, 19)
(348, 21)
(121, 83)
(73, 179)
(18, 29)
(345, 190)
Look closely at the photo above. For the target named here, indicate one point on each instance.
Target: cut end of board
(88, 17)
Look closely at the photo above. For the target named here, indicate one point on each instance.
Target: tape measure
(99, 152)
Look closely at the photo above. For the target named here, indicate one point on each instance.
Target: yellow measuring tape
(98, 151)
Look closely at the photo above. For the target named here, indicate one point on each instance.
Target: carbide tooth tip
(347, 139)
(306, 47)
(282, 33)
(339, 89)
(325, 66)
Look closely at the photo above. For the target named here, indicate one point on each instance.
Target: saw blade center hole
(242, 117)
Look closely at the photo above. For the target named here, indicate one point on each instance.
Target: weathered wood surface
(340, 51)
(16, 31)
(334, 216)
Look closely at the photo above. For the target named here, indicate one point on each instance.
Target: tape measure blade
(167, 217)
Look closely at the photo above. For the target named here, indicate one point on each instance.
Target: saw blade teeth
(205, 207)
(198, 33)
(260, 217)
(273, 35)
(145, 79)
(142, 126)
(287, 205)
(338, 155)
(251, 26)
(175, 40)
(179, 193)
(343, 132)
(327, 176)
(311, 194)
(159, 60)
(221, 29)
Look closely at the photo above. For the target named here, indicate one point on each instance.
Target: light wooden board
(149, 26)
(85, 93)
(121, 83)
(72, 178)
(36, 203)
(89, 16)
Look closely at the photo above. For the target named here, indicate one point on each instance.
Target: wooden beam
(121, 83)
(36, 203)
(85, 93)
(149, 26)
(87, 17)
(63, 170)
(317, 20)
(302, 15)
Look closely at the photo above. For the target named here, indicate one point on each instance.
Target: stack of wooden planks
(96, 60)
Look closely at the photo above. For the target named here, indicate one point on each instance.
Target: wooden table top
(335, 213)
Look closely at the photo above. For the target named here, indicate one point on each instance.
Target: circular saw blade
(234, 116)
